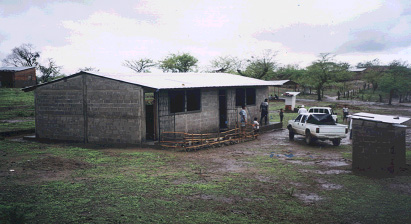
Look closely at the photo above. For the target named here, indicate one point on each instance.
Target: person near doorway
(264, 111)
(281, 115)
(243, 119)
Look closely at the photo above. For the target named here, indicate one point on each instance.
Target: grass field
(16, 110)
(43, 183)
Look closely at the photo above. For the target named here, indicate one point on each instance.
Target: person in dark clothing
(264, 112)
(281, 115)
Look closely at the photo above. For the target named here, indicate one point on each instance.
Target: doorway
(150, 104)
(222, 108)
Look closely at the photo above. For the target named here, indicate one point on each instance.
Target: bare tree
(88, 69)
(228, 64)
(140, 66)
(22, 56)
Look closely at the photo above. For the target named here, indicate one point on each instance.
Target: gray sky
(103, 34)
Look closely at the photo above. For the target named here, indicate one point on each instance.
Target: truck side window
(298, 118)
(304, 118)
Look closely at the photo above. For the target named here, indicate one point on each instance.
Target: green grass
(154, 186)
(16, 105)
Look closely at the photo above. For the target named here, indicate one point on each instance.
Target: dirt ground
(214, 164)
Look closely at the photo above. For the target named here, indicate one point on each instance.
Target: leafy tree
(374, 73)
(325, 72)
(25, 55)
(178, 63)
(49, 72)
(140, 66)
(261, 67)
(227, 64)
(397, 80)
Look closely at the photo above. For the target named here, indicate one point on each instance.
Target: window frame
(244, 96)
(185, 106)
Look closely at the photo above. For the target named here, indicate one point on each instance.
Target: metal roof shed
(378, 146)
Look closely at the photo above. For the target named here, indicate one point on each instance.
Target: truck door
(302, 124)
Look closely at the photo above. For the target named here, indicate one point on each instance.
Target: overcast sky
(102, 34)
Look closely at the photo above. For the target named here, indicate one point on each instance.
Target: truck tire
(336, 142)
(308, 138)
(291, 134)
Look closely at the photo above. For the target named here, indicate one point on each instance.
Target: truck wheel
(291, 134)
(308, 138)
(336, 142)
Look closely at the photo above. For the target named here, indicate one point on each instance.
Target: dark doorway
(150, 115)
(222, 108)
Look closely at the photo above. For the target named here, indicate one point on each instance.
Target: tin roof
(291, 93)
(380, 118)
(356, 69)
(188, 80)
(282, 82)
(176, 80)
(14, 69)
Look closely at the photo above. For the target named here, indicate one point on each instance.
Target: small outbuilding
(132, 109)
(378, 143)
(290, 98)
(17, 77)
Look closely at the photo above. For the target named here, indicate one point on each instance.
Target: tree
(227, 64)
(22, 56)
(178, 63)
(261, 67)
(373, 73)
(324, 72)
(88, 69)
(396, 80)
(50, 71)
(140, 66)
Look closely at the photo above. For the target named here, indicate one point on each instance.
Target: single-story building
(130, 109)
(17, 77)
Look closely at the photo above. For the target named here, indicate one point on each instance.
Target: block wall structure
(207, 119)
(91, 109)
(378, 148)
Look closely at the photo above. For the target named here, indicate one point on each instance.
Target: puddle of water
(334, 163)
(309, 198)
(329, 186)
(332, 171)
(299, 162)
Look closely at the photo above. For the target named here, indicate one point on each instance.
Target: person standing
(281, 115)
(264, 111)
(243, 119)
(345, 113)
(302, 110)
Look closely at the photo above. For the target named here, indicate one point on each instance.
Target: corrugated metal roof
(380, 118)
(278, 82)
(14, 69)
(188, 80)
(356, 69)
(291, 93)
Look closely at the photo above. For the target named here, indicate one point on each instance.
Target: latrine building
(100, 108)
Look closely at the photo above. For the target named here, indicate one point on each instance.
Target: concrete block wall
(115, 111)
(203, 121)
(59, 110)
(206, 120)
(252, 110)
(378, 147)
(101, 111)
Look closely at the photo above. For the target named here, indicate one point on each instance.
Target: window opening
(193, 100)
(177, 101)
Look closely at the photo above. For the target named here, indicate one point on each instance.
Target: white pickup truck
(323, 110)
(317, 127)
